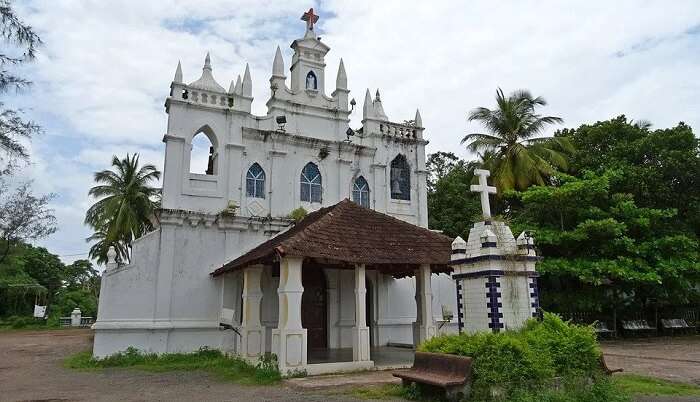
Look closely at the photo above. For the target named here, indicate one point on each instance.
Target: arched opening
(314, 307)
(360, 192)
(400, 178)
(255, 182)
(310, 183)
(311, 81)
(203, 155)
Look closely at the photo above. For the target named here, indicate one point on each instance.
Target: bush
(525, 362)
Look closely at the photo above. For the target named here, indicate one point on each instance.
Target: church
(360, 271)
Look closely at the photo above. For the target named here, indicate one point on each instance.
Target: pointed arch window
(360, 192)
(310, 182)
(400, 178)
(255, 182)
(311, 81)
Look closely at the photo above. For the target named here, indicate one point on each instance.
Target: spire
(178, 73)
(232, 88)
(418, 120)
(367, 106)
(341, 81)
(278, 64)
(207, 81)
(247, 82)
(239, 86)
(207, 62)
(378, 108)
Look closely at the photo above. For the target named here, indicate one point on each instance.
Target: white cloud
(106, 67)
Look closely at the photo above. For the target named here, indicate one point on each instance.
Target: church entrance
(313, 307)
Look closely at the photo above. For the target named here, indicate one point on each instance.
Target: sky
(103, 73)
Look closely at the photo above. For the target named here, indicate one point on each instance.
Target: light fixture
(281, 121)
(352, 104)
(349, 133)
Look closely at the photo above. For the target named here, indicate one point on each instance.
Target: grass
(643, 385)
(226, 368)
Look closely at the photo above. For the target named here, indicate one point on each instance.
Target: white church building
(298, 155)
(361, 272)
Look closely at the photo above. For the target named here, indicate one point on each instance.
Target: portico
(343, 245)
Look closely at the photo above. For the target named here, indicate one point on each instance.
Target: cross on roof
(310, 19)
(483, 188)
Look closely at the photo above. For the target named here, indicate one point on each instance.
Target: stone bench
(450, 372)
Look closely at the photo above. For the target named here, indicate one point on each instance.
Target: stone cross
(310, 19)
(484, 188)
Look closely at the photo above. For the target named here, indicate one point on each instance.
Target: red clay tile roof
(351, 234)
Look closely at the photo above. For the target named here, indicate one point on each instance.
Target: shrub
(521, 362)
(298, 214)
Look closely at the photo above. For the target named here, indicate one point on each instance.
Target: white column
(424, 327)
(360, 332)
(289, 339)
(252, 331)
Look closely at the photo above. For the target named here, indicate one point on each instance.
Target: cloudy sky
(104, 72)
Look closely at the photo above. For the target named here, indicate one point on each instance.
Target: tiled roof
(348, 234)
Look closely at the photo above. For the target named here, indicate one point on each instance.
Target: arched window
(203, 155)
(311, 81)
(400, 178)
(310, 183)
(255, 182)
(360, 192)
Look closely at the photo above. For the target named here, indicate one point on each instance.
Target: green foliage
(32, 274)
(592, 236)
(658, 168)
(298, 214)
(227, 368)
(524, 361)
(511, 148)
(451, 206)
(125, 206)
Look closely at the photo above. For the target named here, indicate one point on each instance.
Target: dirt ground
(675, 359)
(31, 370)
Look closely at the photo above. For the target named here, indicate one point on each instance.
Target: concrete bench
(638, 326)
(449, 372)
(676, 324)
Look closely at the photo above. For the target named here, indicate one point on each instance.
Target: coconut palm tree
(125, 208)
(517, 158)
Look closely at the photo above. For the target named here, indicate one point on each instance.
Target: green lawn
(212, 361)
(643, 385)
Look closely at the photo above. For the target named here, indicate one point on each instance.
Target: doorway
(314, 307)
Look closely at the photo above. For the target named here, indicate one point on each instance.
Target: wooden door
(313, 307)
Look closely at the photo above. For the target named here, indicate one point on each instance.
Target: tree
(20, 47)
(23, 217)
(516, 157)
(601, 249)
(451, 206)
(126, 205)
(660, 168)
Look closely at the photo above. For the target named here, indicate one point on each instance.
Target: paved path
(31, 370)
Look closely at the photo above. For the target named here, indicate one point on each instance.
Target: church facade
(302, 154)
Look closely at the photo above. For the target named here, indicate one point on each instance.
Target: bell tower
(308, 64)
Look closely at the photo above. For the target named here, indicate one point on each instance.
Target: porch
(322, 318)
